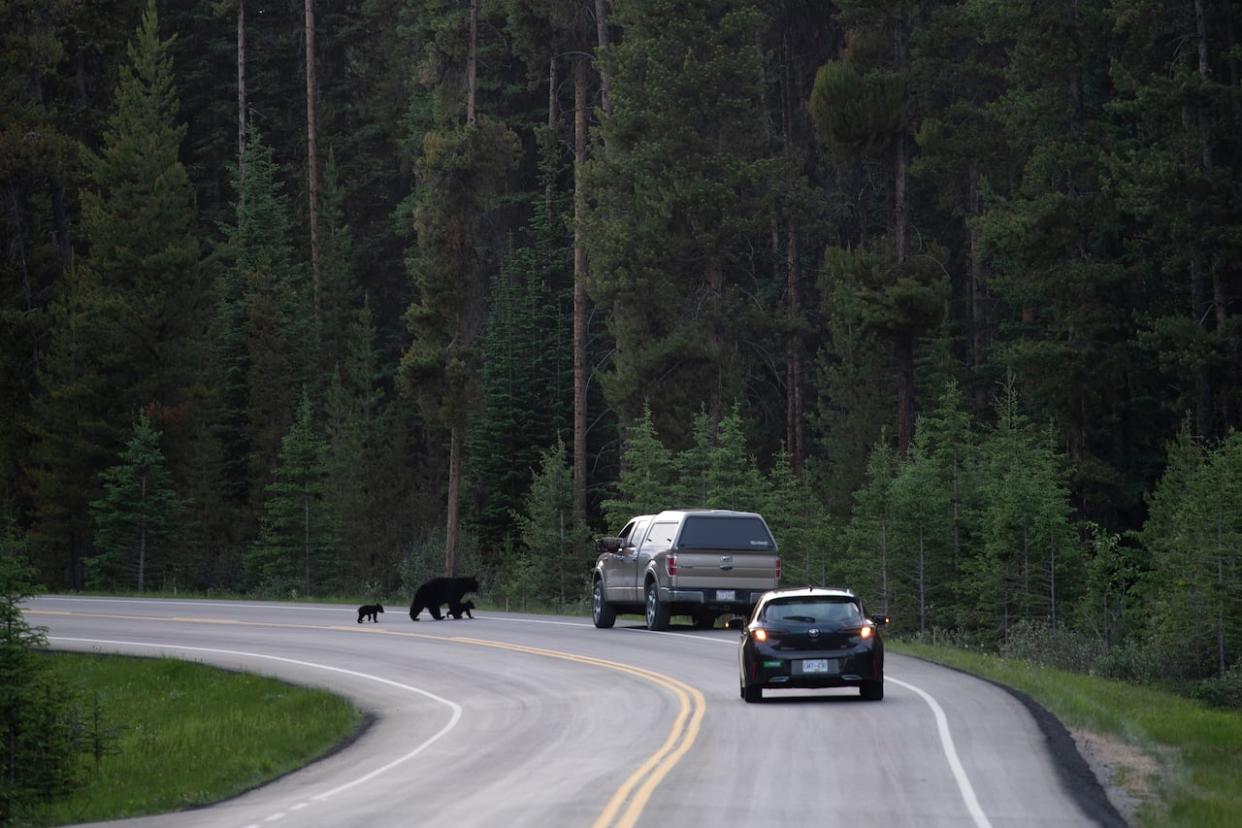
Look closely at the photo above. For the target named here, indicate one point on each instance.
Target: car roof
(675, 514)
(807, 592)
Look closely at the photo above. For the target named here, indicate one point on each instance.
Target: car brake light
(671, 560)
(778, 569)
(866, 632)
(761, 634)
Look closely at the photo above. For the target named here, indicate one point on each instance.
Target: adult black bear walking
(439, 591)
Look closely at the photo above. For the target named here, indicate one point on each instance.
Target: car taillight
(778, 569)
(760, 634)
(866, 632)
(672, 564)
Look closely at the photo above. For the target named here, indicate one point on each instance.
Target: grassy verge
(1198, 749)
(188, 734)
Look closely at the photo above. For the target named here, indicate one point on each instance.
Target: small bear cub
(459, 609)
(369, 611)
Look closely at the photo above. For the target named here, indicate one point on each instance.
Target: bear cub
(463, 607)
(371, 611)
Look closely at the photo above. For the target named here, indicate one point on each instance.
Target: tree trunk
(142, 539)
(312, 152)
(601, 31)
(454, 490)
(794, 427)
(922, 585)
(241, 94)
(884, 565)
(472, 62)
(976, 270)
(550, 190)
(306, 555)
(904, 348)
(580, 334)
(901, 156)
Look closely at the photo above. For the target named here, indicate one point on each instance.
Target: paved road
(514, 720)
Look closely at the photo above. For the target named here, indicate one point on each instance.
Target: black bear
(369, 611)
(459, 609)
(439, 591)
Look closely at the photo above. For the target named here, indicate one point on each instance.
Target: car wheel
(751, 694)
(704, 620)
(872, 690)
(657, 613)
(602, 612)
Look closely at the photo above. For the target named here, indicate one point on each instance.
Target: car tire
(751, 694)
(657, 612)
(602, 612)
(872, 690)
(704, 620)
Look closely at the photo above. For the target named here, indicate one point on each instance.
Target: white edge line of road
(452, 723)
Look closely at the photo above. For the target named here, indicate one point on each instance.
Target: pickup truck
(701, 562)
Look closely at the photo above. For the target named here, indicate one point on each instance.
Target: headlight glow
(866, 632)
(761, 634)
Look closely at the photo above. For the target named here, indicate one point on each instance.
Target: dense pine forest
(312, 297)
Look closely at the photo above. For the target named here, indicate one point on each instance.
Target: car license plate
(824, 666)
(726, 595)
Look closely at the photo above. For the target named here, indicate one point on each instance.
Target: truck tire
(657, 612)
(602, 612)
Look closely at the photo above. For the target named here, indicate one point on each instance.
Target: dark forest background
(325, 298)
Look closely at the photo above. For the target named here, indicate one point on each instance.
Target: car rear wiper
(802, 619)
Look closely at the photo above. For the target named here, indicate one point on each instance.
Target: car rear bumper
(775, 669)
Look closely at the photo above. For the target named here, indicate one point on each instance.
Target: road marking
(638, 786)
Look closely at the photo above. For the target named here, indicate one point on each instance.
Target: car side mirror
(881, 620)
(612, 545)
(735, 623)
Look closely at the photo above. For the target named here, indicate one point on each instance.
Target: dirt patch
(1127, 774)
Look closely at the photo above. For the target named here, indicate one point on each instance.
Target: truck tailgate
(725, 569)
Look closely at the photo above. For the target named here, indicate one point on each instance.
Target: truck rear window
(704, 532)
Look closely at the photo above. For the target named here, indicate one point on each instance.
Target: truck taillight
(778, 570)
(672, 564)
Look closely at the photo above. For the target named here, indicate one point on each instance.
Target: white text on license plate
(815, 665)
(725, 595)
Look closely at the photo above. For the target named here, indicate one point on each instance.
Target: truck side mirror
(612, 545)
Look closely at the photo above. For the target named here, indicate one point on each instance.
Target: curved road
(514, 720)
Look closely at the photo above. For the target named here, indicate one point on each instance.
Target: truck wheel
(602, 612)
(657, 613)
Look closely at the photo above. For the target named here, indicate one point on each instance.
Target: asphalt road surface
(517, 720)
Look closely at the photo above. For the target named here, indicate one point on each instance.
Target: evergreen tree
(41, 732)
(647, 481)
(810, 545)
(679, 200)
(549, 532)
(298, 536)
(733, 480)
(136, 518)
(869, 553)
(125, 316)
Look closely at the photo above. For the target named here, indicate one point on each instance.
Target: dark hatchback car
(811, 637)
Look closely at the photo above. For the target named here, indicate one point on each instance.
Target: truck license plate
(725, 595)
(819, 665)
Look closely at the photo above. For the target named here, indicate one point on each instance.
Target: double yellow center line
(626, 804)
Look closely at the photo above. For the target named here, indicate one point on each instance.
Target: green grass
(188, 734)
(1199, 748)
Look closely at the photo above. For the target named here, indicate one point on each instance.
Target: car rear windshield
(812, 611)
(714, 532)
